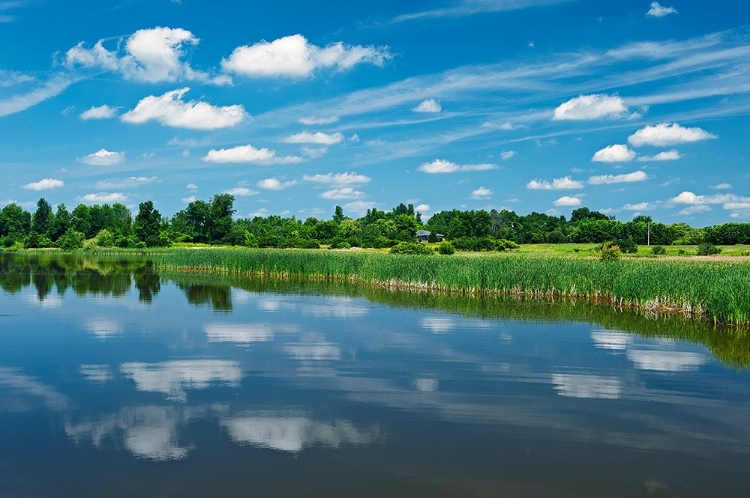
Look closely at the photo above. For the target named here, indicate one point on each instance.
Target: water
(118, 381)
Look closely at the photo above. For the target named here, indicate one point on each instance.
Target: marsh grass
(719, 290)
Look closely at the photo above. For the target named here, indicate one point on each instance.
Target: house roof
(424, 232)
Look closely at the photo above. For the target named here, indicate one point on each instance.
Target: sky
(629, 108)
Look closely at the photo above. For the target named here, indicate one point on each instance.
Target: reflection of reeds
(716, 289)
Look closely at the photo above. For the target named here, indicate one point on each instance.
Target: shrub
(503, 244)
(8, 241)
(340, 244)
(609, 252)
(707, 249)
(446, 248)
(411, 248)
(627, 245)
(658, 250)
(105, 238)
(71, 240)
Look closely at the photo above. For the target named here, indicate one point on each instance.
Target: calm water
(117, 381)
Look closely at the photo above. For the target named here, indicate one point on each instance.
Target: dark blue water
(117, 381)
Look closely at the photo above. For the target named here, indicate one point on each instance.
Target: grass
(719, 290)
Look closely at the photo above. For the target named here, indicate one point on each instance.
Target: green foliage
(503, 244)
(71, 240)
(340, 244)
(446, 248)
(658, 250)
(104, 238)
(411, 248)
(627, 245)
(707, 249)
(147, 226)
(609, 252)
(8, 241)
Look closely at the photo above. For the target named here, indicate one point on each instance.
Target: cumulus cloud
(359, 207)
(428, 106)
(317, 120)
(343, 193)
(667, 155)
(617, 153)
(103, 198)
(588, 107)
(587, 386)
(173, 378)
(319, 138)
(295, 57)
(338, 179)
(666, 134)
(657, 10)
(422, 208)
(130, 182)
(482, 193)
(636, 176)
(564, 183)
(149, 55)
(730, 201)
(508, 154)
(275, 184)
(46, 184)
(238, 191)
(248, 154)
(444, 166)
(567, 201)
(189, 199)
(691, 210)
(103, 157)
(100, 112)
(170, 110)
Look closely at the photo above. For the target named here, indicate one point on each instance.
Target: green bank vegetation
(718, 290)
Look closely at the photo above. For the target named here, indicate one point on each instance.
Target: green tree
(43, 218)
(147, 225)
(15, 222)
(62, 222)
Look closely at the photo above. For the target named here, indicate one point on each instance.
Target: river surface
(118, 381)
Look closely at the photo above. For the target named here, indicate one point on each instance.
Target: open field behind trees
(719, 290)
(213, 222)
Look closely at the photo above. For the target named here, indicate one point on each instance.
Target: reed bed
(718, 290)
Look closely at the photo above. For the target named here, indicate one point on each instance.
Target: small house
(424, 235)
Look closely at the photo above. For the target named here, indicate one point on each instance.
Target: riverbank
(714, 290)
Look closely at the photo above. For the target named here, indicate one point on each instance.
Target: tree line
(213, 222)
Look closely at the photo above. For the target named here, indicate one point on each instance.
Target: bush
(8, 241)
(609, 252)
(706, 249)
(503, 244)
(71, 240)
(340, 244)
(627, 245)
(658, 251)
(446, 248)
(104, 238)
(411, 248)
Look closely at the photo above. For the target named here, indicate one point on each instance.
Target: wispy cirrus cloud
(564, 183)
(463, 8)
(439, 166)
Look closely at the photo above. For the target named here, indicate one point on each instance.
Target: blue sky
(294, 107)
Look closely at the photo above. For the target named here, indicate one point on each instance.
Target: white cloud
(665, 134)
(103, 157)
(422, 208)
(444, 166)
(657, 10)
(174, 377)
(170, 110)
(641, 206)
(463, 8)
(46, 184)
(667, 155)
(481, 193)
(13, 78)
(317, 120)
(666, 361)
(617, 153)
(130, 182)
(275, 184)
(150, 55)
(318, 138)
(428, 106)
(564, 183)
(567, 201)
(597, 106)
(103, 198)
(314, 152)
(636, 176)
(239, 333)
(721, 186)
(248, 154)
(700, 208)
(338, 179)
(587, 386)
(343, 193)
(508, 154)
(191, 186)
(614, 341)
(56, 85)
(239, 191)
(294, 57)
(96, 373)
(188, 200)
(693, 199)
(359, 207)
(438, 325)
(100, 112)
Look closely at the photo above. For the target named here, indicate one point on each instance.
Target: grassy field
(718, 290)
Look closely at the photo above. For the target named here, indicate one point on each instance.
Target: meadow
(718, 290)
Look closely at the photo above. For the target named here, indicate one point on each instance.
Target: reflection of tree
(219, 297)
(147, 282)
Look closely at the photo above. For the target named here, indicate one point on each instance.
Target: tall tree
(43, 218)
(147, 224)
